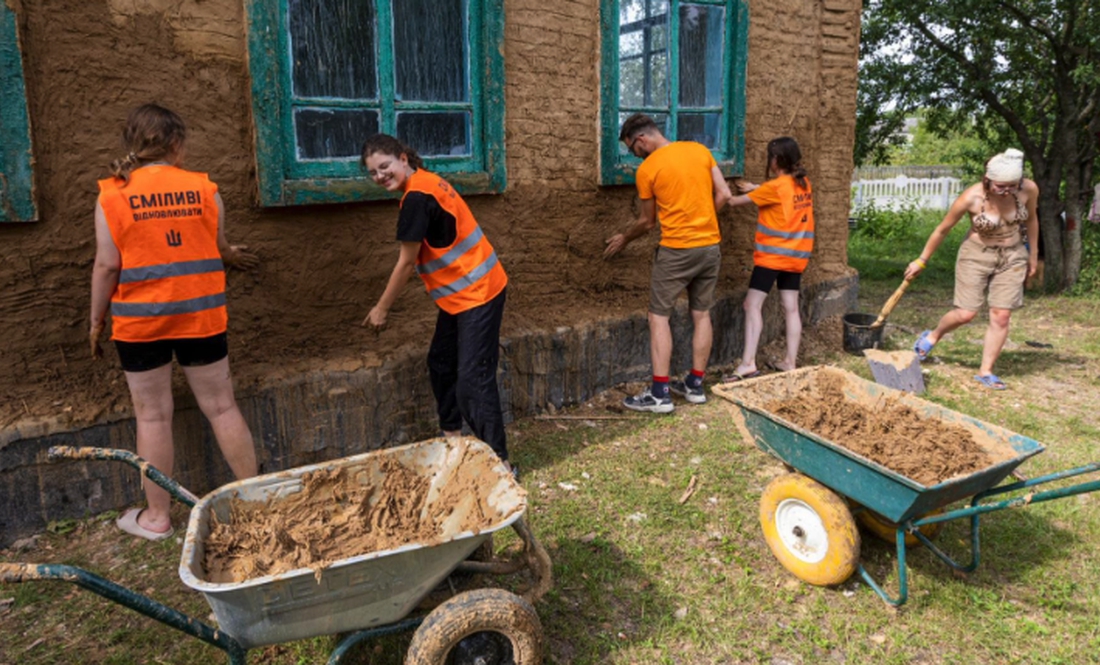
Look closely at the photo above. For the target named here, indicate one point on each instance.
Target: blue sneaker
(693, 395)
(645, 401)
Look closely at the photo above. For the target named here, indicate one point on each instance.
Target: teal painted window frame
(617, 167)
(283, 180)
(16, 158)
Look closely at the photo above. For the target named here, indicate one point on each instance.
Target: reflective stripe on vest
(453, 254)
(146, 273)
(168, 308)
(466, 280)
(798, 235)
(782, 251)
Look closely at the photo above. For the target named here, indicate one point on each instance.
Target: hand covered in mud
(614, 245)
(744, 186)
(240, 259)
(376, 317)
(93, 340)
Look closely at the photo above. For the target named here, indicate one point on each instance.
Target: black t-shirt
(423, 219)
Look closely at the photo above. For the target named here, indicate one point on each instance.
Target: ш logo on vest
(174, 239)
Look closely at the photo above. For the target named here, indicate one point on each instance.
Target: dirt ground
(344, 511)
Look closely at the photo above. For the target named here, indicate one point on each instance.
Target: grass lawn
(641, 577)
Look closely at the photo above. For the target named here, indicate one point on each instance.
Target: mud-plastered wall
(88, 62)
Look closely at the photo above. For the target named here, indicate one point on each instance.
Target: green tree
(1022, 73)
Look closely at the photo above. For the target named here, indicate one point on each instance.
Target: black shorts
(763, 278)
(190, 352)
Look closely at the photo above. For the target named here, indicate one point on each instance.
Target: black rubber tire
(478, 611)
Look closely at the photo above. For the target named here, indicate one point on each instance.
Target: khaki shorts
(1000, 270)
(695, 268)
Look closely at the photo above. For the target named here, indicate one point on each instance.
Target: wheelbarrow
(371, 594)
(809, 516)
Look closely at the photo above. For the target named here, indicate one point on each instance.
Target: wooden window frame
(618, 167)
(283, 180)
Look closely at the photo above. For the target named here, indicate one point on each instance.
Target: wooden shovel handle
(889, 306)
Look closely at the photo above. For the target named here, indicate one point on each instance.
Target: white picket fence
(930, 193)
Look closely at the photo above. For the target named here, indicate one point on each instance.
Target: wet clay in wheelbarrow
(884, 431)
(338, 515)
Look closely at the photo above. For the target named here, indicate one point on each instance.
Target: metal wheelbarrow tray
(360, 591)
(805, 523)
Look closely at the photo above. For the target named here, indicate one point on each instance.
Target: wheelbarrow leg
(29, 572)
(903, 577)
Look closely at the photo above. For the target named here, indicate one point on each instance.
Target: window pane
(702, 40)
(699, 127)
(332, 133)
(429, 50)
(643, 53)
(435, 133)
(332, 48)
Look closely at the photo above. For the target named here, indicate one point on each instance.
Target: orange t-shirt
(679, 177)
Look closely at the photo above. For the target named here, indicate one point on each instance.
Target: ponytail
(388, 145)
(788, 157)
(152, 133)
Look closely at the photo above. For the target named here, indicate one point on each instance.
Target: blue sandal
(991, 381)
(922, 347)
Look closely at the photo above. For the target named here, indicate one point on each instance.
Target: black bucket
(859, 335)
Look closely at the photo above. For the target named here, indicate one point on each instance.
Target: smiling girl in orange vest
(443, 243)
(160, 248)
(784, 243)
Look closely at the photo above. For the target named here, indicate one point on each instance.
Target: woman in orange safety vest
(784, 243)
(160, 248)
(443, 243)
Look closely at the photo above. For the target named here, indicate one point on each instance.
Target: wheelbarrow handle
(179, 492)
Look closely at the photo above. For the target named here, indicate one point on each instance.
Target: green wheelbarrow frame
(535, 558)
(900, 500)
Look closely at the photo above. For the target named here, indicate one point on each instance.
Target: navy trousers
(462, 362)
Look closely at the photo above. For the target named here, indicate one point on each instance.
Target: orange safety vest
(164, 223)
(785, 236)
(466, 273)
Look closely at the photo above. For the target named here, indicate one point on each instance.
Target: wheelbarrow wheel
(884, 529)
(480, 627)
(809, 529)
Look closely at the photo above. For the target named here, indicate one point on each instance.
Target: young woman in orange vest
(784, 242)
(160, 249)
(442, 242)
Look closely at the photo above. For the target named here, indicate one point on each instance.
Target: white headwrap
(1006, 167)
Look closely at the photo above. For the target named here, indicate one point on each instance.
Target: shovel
(889, 306)
(900, 369)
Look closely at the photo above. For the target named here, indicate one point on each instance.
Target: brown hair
(639, 123)
(388, 145)
(152, 133)
(788, 157)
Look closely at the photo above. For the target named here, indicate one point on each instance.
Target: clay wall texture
(88, 62)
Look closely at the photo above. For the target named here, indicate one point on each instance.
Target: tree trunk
(1050, 229)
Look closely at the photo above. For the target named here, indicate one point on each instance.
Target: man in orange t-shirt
(680, 184)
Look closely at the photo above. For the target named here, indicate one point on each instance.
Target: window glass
(699, 127)
(435, 134)
(333, 48)
(332, 133)
(430, 50)
(643, 53)
(702, 44)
